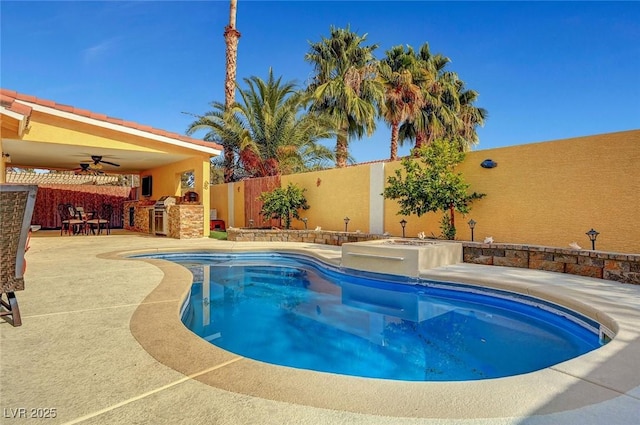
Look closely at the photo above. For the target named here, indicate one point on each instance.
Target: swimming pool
(293, 310)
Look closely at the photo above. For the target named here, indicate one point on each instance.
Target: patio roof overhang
(60, 178)
(38, 133)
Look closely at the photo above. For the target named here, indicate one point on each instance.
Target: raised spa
(295, 311)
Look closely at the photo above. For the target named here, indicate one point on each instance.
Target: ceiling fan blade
(110, 163)
(98, 158)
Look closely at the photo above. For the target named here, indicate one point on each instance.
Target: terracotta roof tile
(83, 112)
(27, 97)
(8, 102)
(50, 103)
(21, 109)
(9, 96)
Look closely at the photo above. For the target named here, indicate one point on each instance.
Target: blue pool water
(295, 311)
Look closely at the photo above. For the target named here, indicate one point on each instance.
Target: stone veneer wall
(325, 237)
(140, 219)
(623, 268)
(186, 221)
(604, 265)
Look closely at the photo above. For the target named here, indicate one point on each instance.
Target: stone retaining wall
(623, 268)
(325, 237)
(604, 265)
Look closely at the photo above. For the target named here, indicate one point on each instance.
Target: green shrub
(284, 204)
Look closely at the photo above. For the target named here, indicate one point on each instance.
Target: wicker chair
(16, 209)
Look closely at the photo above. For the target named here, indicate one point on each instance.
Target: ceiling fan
(97, 159)
(85, 168)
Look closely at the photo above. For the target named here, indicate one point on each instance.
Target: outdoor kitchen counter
(138, 216)
(186, 221)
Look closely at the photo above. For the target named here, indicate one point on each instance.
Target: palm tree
(345, 86)
(448, 110)
(231, 36)
(428, 123)
(269, 131)
(403, 97)
(468, 117)
(222, 127)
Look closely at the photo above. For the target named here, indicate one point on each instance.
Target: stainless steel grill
(161, 214)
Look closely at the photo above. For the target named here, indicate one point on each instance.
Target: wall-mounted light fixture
(593, 235)
(488, 163)
(346, 223)
(472, 225)
(403, 223)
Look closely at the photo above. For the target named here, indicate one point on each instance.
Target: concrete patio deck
(101, 343)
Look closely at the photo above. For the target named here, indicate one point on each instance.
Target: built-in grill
(161, 214)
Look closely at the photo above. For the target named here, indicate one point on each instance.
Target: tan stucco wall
(552, 193)
(238, 204)
(333, 195)
(166, 182)
(547, 193)
(52, 129)
(219, 201)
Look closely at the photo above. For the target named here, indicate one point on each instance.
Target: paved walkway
(100, 345)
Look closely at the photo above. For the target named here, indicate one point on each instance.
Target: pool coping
(595, 377)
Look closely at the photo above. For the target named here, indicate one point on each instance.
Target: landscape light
(472, 225)
(593, 235)
(403, 223)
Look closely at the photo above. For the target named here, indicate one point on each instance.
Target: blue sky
(544, 70)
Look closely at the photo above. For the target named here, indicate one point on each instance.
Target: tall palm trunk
(342, 150)
(231, 36)
(421, 140)
(395, 129)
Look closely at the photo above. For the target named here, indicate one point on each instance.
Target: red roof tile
(8, 98)
(8, 102)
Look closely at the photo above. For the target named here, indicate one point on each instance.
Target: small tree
(430, 184)
(284, 203)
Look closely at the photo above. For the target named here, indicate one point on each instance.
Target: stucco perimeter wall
(549, 194)
(552, 193)
(220, 201)
(333, 195)
(546, 194)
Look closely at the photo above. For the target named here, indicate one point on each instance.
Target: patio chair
(101, 219)
(16, 209)
(69, 220)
